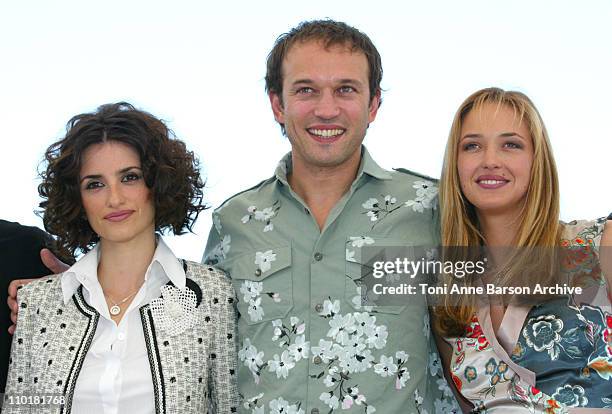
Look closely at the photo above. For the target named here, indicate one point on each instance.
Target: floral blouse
(555, 357)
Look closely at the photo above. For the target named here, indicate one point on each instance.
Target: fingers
(11, 300)
(52, 262)
(12, 292)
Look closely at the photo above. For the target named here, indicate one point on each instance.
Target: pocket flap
(257, 265)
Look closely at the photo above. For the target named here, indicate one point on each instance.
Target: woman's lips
(491, 181)
(119, 215)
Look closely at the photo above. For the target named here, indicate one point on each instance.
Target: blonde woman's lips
(491, 182)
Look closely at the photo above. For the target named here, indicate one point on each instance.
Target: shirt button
(314, 411)
(319, 307)
(318, 256)
(258, 272)
(121, 336)
(317, 360)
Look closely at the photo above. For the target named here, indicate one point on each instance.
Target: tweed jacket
(193, 371)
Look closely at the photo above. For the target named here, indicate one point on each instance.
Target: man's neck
(322, 187)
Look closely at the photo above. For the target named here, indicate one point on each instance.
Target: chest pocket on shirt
(263, 282)
(360, 290)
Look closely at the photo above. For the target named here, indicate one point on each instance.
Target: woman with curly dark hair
(129, 327)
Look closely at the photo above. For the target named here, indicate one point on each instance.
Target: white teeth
(326, 132)
(491, 182)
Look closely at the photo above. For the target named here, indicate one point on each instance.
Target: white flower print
(349, 350)
(352, 397)
(264, 215)
(360, 241)
(402, 378)
(252, 402)
(353, 361)
(281, 365)
(330, 308)
(377, 336)
(401, 356)
(370, 204)
(264, 260)
(280, 406)
(434, 364)
(364, 322)
(418, 400)
(277, 324)
(389, 199)
(377, 210)
(330, 380)
(443, 386)
(255, 310)
(217, 223)
(294, 352)
(330, 399)
(341, 328)
(299, 349)
(324, 351)
(426, 326)
(220, 251)
(446, 406)
(250, 290)
(386, 367)
(426, 192)
(252, 358)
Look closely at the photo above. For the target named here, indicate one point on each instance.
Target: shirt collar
(85, 271)
(367, 166)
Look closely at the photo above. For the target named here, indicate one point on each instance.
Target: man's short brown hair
(330, 33)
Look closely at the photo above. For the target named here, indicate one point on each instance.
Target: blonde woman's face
(495, 156)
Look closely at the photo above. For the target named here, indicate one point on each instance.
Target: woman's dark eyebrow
(121, 171)
(126, 169)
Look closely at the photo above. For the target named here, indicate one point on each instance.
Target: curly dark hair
(330, 33)
(170, 171)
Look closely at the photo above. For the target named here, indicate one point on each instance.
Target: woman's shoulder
(208, 277)
(582, 232)
(41, 289)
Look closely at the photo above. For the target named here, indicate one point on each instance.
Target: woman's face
(116, 200)
(495, 155)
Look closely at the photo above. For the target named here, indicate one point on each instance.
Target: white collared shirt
(116, 374)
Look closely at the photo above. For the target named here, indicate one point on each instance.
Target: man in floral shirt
(292, 246)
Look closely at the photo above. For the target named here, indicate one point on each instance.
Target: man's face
(326, 105)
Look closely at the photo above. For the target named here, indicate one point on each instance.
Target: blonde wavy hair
(539, 219)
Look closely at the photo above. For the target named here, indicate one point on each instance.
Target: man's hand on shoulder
(52, 262)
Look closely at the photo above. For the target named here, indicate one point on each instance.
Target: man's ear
(277, 107)
(374, 104)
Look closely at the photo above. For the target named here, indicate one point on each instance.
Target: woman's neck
(122, 266)
(499, 229)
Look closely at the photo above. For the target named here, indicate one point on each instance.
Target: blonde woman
(499, 189)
